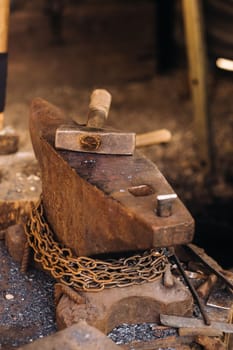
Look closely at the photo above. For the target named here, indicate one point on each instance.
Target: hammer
(95, 139)
(8, 138)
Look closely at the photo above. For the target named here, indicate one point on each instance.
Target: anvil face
(99, 203)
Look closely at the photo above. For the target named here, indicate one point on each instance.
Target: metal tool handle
(191, 287)
(98, 108)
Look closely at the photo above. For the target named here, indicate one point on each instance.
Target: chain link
(85, 273)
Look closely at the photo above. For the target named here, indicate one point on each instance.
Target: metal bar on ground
(191, 322)
(192, 289)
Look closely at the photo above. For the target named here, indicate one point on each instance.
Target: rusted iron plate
(88, 199)
(133, 304)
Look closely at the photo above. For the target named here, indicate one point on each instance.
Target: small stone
(33, 178)
(9, 296)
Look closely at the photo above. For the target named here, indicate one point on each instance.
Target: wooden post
(196, 51)
(4, 20)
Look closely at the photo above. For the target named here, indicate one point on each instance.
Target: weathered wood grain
(87, 197)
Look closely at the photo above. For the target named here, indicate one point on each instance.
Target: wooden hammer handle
(4, 21)
(98, 108)
(153, 137)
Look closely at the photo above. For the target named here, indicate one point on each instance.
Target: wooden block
(20, 186)
(90, 200)
(192, 322)
(15, 240)
(9, 141)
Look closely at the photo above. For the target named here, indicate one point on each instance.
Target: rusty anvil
(98, 203)
(94, 137)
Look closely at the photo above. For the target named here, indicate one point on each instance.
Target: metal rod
(192, 289)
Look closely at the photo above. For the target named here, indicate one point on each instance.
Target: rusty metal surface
(87, 198)
(85, 273)
(95, 137)
(80, 138)
(123, 334)
(134, 304)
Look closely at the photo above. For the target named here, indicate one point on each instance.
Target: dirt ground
(113, 46)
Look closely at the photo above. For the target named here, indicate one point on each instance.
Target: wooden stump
(20, 186)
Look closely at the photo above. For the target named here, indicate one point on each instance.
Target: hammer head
(93, 137)
(85, 139)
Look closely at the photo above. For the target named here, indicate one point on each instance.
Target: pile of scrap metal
(112, 232)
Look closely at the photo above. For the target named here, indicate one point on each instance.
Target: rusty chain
(85, 273)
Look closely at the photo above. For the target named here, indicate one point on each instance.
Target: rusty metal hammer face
(93, 137)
